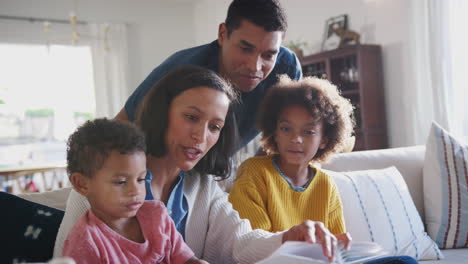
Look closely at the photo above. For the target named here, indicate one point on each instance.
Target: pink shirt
(92, 241)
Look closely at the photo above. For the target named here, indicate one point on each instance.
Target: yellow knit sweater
(263, 196)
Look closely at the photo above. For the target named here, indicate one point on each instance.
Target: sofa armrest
(55, 199)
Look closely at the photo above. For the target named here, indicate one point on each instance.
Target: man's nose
(255, 63)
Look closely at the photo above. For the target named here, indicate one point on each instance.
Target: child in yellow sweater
(302, 122)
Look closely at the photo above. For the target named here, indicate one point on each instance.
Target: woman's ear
(80, 183)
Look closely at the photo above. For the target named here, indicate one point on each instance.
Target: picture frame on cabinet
(330, 39)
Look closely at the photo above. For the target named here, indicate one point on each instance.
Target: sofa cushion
(408, 160)
(56, 199)
(452, 256)
(445, 178)
(28, 230)
(378, 207)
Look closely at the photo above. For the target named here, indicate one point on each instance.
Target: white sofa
(409, 161)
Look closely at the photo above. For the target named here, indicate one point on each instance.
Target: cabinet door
(317, 69)
(357, 72)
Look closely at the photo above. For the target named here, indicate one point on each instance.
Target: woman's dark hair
(267, 14)
(321, 99)
(153, 117)
(91, 144)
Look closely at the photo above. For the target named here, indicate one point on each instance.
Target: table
(12, 174)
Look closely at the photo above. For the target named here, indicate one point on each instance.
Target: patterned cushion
(27, 229)
(378, 207)
(445, 179)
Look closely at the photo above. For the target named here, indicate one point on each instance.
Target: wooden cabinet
(357, 71)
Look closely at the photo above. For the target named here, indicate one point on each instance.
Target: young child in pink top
(107, 164)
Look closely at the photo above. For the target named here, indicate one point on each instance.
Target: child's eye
(141, 180)
(119, 182)
(285, 129)
(309, 132)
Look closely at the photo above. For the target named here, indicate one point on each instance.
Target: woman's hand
(313, 232)
(345, 239)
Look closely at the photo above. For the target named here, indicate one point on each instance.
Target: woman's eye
(284, 129)
(215, 128)
(309, 132)
(191, 117)
(119, 182)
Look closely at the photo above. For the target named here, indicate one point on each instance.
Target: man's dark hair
(267, 14)
(91, 144)
(154, 112)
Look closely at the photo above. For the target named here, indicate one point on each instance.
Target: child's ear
(80, 182)
(323, 143)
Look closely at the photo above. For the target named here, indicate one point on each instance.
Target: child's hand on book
(344, 239)
(313, 232)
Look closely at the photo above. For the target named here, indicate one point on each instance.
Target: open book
(306, 253)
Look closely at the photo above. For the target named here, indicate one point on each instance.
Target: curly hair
(91, 144)
(323, 101)
(267, 14)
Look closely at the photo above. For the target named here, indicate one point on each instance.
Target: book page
(362, 251)
(297, 252)
(306, 253)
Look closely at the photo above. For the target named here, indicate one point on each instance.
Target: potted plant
(296, 46)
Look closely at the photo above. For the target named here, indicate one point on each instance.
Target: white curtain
(110, 60)
(458, 122)
(441, 58)
(108, 44)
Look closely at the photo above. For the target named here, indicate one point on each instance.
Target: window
(45, 93)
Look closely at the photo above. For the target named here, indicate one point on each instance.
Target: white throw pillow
(378, 207)
(445, 179)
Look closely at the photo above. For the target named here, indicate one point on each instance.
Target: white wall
(208, 14)
(383, 22)
(159, 27)
(156, 28)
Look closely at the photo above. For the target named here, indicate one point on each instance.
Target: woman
(189, 124)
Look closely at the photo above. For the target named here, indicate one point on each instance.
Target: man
(247, 52)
